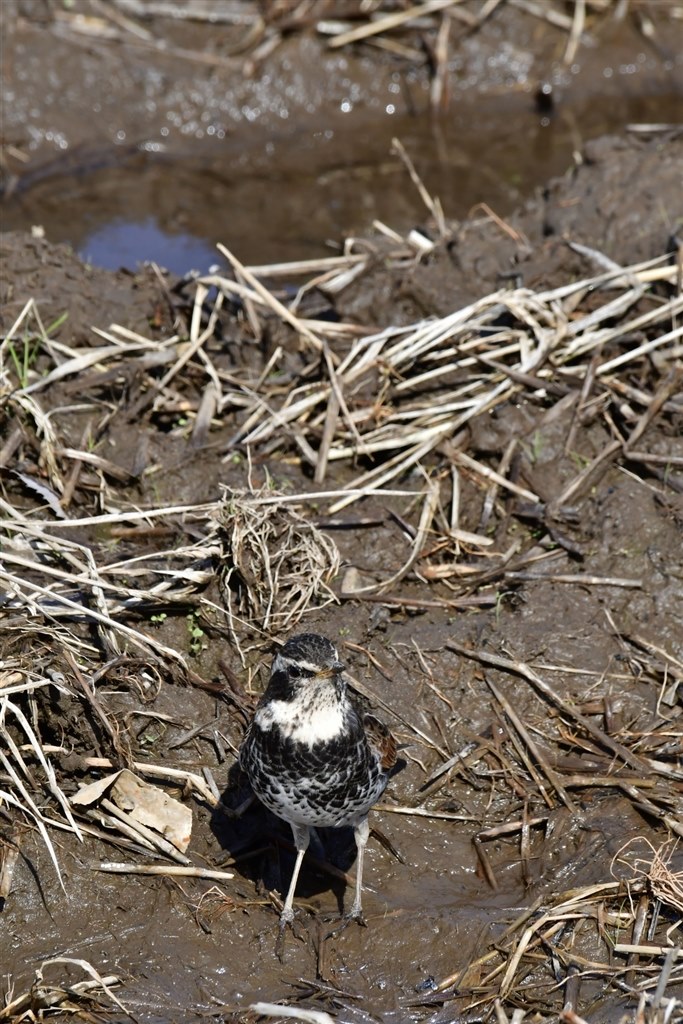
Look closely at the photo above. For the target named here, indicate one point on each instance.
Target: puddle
(120, 242)
(293, 196)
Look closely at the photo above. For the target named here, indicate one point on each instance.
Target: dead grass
(398, 401)
(278, 565)
(83, 999)
(576, 935)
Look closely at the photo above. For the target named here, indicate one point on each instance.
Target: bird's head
(305, 660)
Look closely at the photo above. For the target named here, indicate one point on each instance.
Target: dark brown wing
(381, 741)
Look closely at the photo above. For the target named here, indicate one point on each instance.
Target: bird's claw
(288, 920)
(345, 921)
(280, 941)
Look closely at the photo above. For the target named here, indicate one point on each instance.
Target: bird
(312, 756)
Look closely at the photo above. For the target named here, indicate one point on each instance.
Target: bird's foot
(286, 917)
(288, 920)
(239, 810)
(356, 914)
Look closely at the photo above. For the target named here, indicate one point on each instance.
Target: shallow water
(295, 196)
(131, 154)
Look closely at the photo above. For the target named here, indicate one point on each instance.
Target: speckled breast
(330, 784)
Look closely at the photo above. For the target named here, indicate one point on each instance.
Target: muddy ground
(438, 913)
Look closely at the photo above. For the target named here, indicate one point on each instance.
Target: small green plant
(197, 634)
(24, 352)
(159, 618)
(534, 449)
(23, 355)
(580, 461)
(151, 734)
(56, 324)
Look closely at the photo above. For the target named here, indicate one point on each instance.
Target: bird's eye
(299, 672)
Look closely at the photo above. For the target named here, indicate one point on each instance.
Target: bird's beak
(333, 669)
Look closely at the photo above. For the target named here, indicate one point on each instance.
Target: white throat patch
(307, 722)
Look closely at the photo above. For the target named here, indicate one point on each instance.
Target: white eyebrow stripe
(307, 666)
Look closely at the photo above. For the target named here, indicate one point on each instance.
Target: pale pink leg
(301, 839)
(361, 832)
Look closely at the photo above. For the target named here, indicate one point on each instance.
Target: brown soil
(189, 950)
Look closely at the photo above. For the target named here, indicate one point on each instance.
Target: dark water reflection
(292, 196)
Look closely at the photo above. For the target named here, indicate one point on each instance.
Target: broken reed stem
(552, 776)
(434, 206)
(387, 22)
(575, 578)
(525, 672)
(270, 299)
(161, 772)
(166, 870)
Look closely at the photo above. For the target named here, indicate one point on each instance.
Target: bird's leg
(361, 833)
(301, 839)
(236, 812)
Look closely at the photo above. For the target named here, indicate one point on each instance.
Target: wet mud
(187, 949)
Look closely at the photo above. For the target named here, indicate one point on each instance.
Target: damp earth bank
(186, 949)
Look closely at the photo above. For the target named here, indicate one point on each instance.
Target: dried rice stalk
(278, 565)
(403, 390)
(666, 885)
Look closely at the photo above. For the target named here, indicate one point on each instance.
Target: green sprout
(197, 634)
